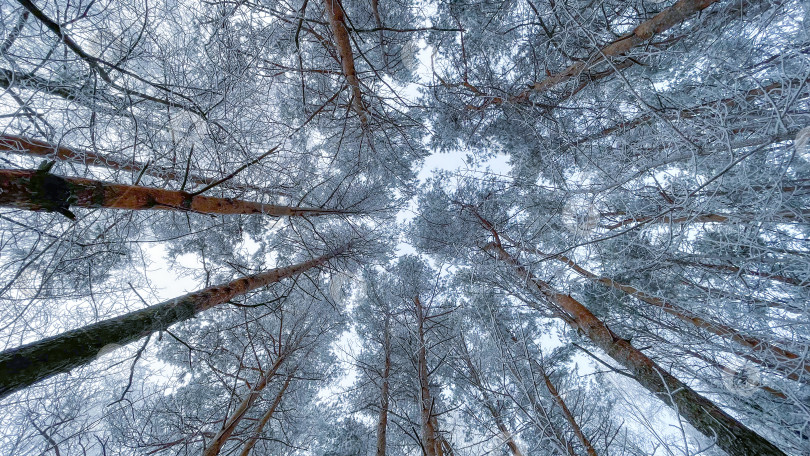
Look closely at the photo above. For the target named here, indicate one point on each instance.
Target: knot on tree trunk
(51, 192)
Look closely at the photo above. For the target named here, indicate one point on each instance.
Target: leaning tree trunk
(37, 361)
(236, 417)
(583, 439)
(266, 417)
(666, 19)
(337, 22)
(28, 146)
(549, 428)
(786, 362)
(704, 415)
(39, 190)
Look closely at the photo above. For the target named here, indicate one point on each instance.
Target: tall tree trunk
(39, 190)
(337, 21)
(478, 382)
(551, 430)
(583, 439)
(661, 22)
(382, 421)
(266, 417)
(431, 441)
(230, 425)
(785, 362)
(27, 146)
(32, 363)
(705, 416)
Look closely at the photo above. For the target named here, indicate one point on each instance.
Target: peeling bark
(20, 189)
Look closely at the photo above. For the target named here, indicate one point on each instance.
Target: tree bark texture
(705, 416)
(337, 21)
(37, 361)
(27, 146)
(431, 441)
(266, 417)
(42, 191)
(659, 23)
(230, 425)
(583, 439)
(784, 361)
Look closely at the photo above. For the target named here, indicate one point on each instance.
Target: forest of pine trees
(375, 227)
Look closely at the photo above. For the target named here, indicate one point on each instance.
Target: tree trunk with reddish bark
(431, 440)
(784, 361)
(39, 190)
(236, 417)
(583, 439)
(266, 417)
(661, 22)
(37, 361)
(337, 22)
(705, 416)
(28, 146)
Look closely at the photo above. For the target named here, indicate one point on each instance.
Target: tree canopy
(365, 227)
